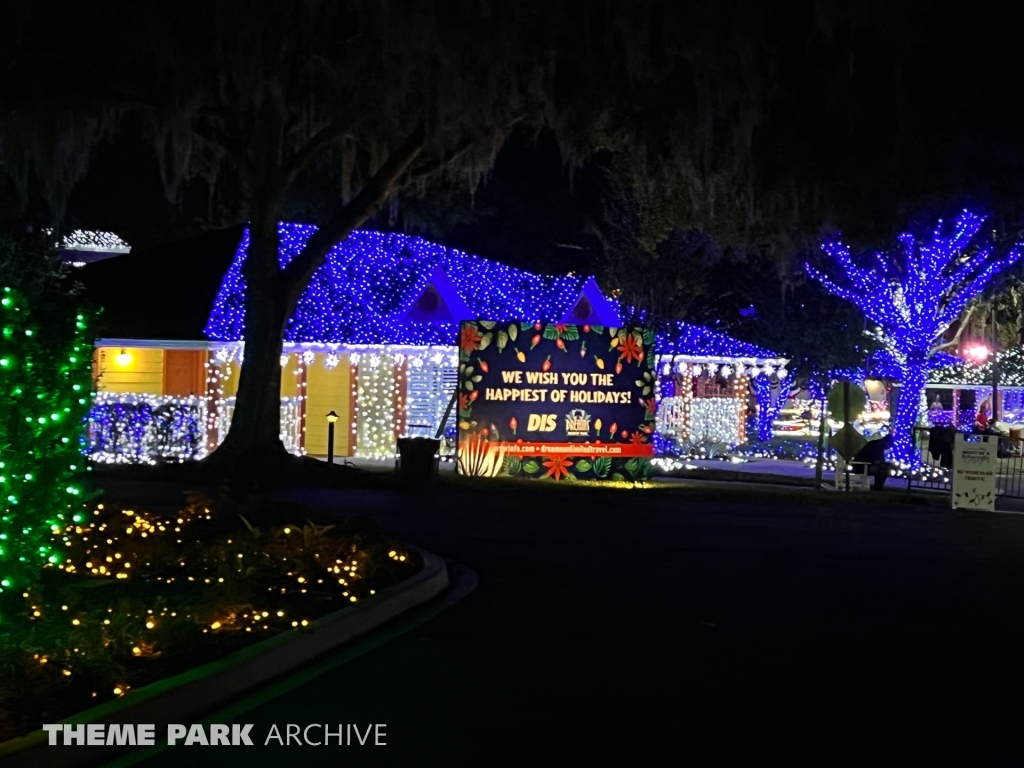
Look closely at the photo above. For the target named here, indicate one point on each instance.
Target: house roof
(696, 341)
(369, 288)
(363, 292)
(367, 292)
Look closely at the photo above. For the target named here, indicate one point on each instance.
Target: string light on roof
(360, 293)
(88, 240)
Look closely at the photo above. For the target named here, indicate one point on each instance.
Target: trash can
(417, 462)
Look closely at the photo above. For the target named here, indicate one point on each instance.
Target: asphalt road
(739, 627)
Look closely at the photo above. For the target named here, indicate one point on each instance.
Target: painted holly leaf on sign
(485, 341)
(602, 466)
(513, 331)
(647, 384)
(487, 325)
(644, 470)
(530, 467)
(502, 340)
(583, 465)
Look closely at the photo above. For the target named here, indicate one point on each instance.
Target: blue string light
(361, 292)
(913, 294)
(697, 341)
(364, 287)
(146, 428)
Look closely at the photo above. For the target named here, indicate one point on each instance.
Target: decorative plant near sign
(480, 457)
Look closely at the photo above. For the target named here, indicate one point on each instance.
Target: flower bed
(135, 598)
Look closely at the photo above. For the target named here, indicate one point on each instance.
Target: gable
(438, 302)
(592, 307)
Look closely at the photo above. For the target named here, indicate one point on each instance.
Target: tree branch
(319, 142)
(959, 332)
(425, 170)
(294, 278)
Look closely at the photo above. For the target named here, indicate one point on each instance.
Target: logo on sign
(541, 422)
(577, 423)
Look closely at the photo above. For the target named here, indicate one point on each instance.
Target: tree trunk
(253, 444)
(819, 464)
(913, 379)
(255, 432)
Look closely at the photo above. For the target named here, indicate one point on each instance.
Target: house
(373, 339)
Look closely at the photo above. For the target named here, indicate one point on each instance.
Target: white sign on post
(974, 472)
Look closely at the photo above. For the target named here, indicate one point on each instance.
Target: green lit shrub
(45, 382)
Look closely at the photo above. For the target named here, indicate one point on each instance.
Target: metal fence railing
(935, 471)
(935, 468)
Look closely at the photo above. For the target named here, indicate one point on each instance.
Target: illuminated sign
(555, 400)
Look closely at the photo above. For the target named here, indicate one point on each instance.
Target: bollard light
(332, 418)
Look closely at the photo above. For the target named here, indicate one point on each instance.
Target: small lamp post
(332, 418)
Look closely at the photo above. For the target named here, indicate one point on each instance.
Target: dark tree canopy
(752, 120)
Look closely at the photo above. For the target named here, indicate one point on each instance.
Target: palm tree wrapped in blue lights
(913, 293)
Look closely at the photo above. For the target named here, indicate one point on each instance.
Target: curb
(180, 699)
(462, 582)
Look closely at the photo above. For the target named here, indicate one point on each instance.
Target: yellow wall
(230, 383)
(328, 390)
(143, 375)
(289, 381)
